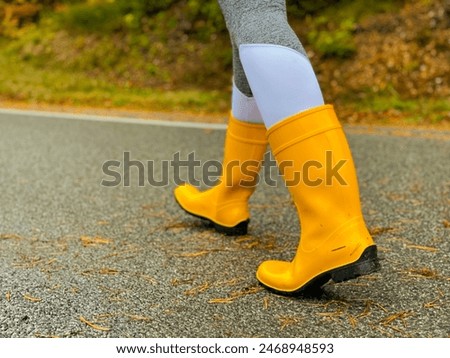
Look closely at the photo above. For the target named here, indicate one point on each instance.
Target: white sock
(282, 81)
(244, 108)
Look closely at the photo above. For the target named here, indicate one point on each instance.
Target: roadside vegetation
(378, 61)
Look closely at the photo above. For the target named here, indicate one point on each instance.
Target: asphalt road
(78, 259)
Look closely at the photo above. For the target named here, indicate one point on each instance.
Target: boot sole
(237, 230)
(367, 264)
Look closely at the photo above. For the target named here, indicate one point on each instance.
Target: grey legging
(256, 22)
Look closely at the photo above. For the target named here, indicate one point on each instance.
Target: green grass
(420, 111)
(25, 82)
(29, 82)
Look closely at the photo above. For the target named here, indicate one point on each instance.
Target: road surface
(82, 259)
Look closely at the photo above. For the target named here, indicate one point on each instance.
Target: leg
(226, 205)
(271, 55)
(263, 22)
(243, 104)
(304, 134)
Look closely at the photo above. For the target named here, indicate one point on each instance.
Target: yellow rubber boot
(315, 160)
(225, 206)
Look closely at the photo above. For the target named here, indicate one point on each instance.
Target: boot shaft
(315, 160)
(245, 145)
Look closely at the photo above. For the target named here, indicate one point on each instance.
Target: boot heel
(368, 263)
(238, 230)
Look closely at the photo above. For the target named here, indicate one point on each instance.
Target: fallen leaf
(93, 325)
(330, 314)
(287, 321)
(238, 294)
(266, 302)
(432, 304)
(195, 254)
(424, 248)
(424, 272)
(396, 316)
(108, 271)
(176, 282)
(197, 290)
(221, 300)
(32, 299)
(10, 237)
(379, 230)
(352, 320)
(138, 318)
(149, 279)
(94, 241)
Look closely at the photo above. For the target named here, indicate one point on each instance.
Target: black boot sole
(367, 264)
(237, 230)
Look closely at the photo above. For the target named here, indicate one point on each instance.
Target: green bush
(333, 41)
(206, 17)
(106, 16)
(101, 17)
(302, 8)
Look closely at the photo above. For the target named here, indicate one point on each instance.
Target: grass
(25, 83)
(45, 69)
(420, 111)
